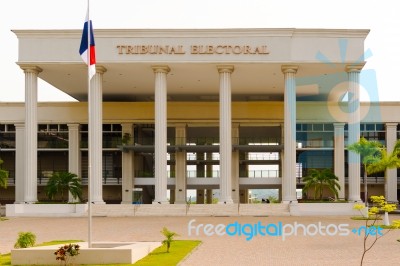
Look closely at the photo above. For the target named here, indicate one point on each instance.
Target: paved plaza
(219, 250)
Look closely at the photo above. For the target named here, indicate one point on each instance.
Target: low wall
(13, 210)
(322, 209)
(120, 210)
(100, 253)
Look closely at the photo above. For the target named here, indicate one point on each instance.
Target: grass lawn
(365, 218)
(178, 251)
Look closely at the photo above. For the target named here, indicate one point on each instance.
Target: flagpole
(90, 136)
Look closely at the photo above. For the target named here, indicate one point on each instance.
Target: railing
(7, 144)
(52, 144)
(260, 156)
(259, 174)
(315, 143)
(207, 141)
(107, 143)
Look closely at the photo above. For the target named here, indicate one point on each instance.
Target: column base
(126, 202)
(356, 200)
(226, 201)
(30, 202)
(289, 201)
(160, 202)
(180, 202)
(98, 202)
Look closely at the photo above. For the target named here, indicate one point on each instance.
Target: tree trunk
(365, 186)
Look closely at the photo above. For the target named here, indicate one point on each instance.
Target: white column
(74, 153)
(160, 145)
(339, 157)
(96, 136)
(289, 163)
(30, 183)
(225, 133)
(128, 167)
(180, 165)
(235, 164)
(354, 130)
(391, 174)
(19, 162)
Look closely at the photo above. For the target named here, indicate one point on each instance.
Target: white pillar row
(96, 136)
(74, 153)
(339, 157)
(289, 163)
(235, 164)
(128, 167)
(354, 130)
(31, 125)
(225, 133)
(160, 145)
(391, 174)
(180, 165)
(19, 162)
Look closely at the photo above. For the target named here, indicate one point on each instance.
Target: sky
(381, 17)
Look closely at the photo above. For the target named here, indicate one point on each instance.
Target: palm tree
(169, 237)
(61, 182)
(3, 176)
(320, 179)
(386, 161)
(370, 152)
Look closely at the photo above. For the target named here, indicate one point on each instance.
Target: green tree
(61, 182)
(318, 179)
(371, 225)
(3, 176)
(169, 237)
(370, 153)
(386, 161)
(25, 240)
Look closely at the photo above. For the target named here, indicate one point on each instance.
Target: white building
(231, 109)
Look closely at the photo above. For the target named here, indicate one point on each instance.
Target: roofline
(256, 32)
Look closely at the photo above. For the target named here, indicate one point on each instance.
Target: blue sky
(378, 16)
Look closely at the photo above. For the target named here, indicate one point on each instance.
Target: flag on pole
(87, 48)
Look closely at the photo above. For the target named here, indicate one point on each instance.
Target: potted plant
(126, 138)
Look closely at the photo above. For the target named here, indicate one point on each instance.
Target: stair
(273, 209)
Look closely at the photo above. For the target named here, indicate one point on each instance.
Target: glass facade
(314, 135)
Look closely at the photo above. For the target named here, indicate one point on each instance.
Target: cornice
(232, 32)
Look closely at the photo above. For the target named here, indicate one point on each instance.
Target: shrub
(63, 253)
(374, 214)
(25, 240)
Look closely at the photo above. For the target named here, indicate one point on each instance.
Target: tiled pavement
(219, 250)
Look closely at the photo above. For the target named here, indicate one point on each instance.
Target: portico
(175, 87)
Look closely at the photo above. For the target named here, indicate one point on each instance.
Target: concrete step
(273, 209)
(213, 210)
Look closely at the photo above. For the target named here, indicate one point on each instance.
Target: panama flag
(87, 48)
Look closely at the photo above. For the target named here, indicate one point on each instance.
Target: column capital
(30, 68)
(289, 69)
(337, 125)
(100, 69)
(225, 68)
(73, 125)
(391, 125)
(180, 125)
(161, 69)
(354, 67)
(19, 125)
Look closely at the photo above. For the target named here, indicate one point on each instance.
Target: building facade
(172, 110)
